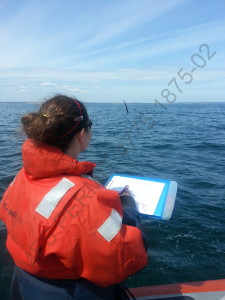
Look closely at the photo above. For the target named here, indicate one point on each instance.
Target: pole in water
(125, 106)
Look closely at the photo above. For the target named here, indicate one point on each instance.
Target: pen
(124, 189)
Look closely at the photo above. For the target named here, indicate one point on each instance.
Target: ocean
(184, 142)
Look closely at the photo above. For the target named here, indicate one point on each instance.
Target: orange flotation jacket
(63, 225)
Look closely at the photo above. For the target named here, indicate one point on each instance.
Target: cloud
(130, 84)
(34, 36)
(71, 89)
(85, 77)
(64, 76)
(22, 90)
(146, 49)
(125, 17)
(49, 84)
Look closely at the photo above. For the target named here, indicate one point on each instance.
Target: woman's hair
(56, 122)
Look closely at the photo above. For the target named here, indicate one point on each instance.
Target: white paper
(146, 193)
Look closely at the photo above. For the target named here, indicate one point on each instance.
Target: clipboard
(154, 197)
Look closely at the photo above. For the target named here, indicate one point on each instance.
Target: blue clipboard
(156, 195)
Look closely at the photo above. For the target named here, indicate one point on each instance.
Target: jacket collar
(45, 161)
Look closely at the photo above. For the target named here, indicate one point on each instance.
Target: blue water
(183, 142)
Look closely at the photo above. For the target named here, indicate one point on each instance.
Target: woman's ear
(80, 136)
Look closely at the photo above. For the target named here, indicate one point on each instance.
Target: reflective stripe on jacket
(63, 226)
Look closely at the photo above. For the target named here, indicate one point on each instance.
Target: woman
(68, 236)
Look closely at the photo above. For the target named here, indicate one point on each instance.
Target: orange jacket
(63, 226)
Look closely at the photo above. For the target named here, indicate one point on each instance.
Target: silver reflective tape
(111, 226)
(14, 179)
(52, 198)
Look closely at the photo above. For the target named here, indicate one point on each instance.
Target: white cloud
(108, 47)
(151, 48)
(84, 77)
(62, 76)
(49, 84)
(146, 49)
(77, 90)
(22, 90)
(128, 15)
(33, 37)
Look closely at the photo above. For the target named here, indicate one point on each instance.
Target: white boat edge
(200, 290)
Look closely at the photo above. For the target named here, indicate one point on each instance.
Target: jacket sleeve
(111, 251)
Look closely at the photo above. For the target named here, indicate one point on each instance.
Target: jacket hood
(44, 161)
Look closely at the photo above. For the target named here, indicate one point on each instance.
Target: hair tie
(46, 116)
(78, 119)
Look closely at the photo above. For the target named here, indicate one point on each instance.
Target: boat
(201, 290)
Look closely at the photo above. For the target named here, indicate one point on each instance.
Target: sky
(113, 50)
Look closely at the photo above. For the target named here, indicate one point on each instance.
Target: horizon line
(133, 102)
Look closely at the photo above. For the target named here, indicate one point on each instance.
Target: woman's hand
(126, 192)
(127, 200)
